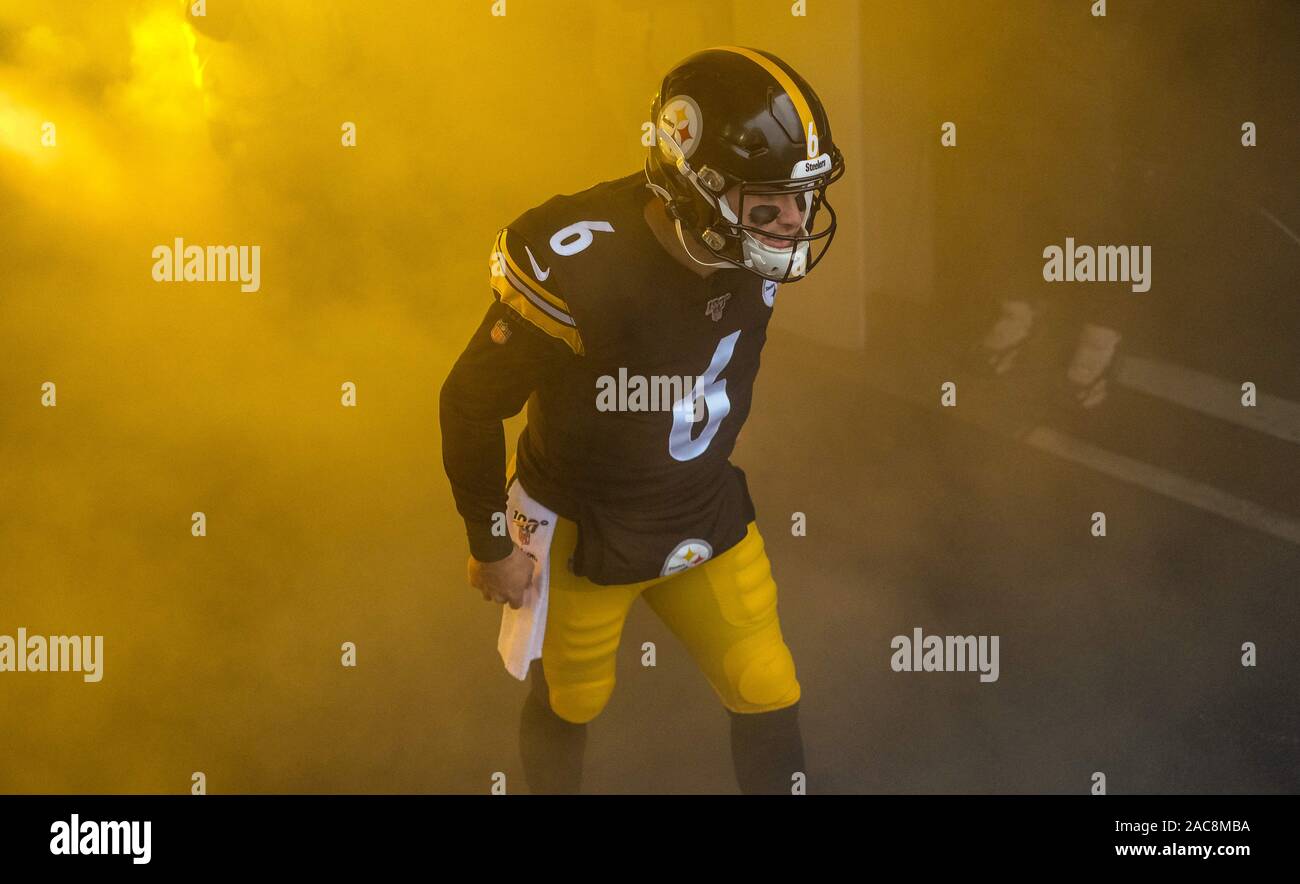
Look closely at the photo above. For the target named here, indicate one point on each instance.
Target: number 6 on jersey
(714, 390)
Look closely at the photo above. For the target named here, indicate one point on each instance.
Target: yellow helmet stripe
(801, 106)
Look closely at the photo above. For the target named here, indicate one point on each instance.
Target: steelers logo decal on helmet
(681, 119)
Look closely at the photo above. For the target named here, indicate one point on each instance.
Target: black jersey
(638, 375)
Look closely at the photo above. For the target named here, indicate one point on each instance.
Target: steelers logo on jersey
(688, 554)
(681, 117)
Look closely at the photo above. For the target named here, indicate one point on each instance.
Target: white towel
(522, 630)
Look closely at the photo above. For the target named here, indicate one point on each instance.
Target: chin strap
(682, 239)
(677, 222)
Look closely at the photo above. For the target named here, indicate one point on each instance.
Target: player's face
(776, 212)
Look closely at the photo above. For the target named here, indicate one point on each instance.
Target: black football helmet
(732, 116)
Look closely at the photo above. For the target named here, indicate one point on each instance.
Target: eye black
(766, 214)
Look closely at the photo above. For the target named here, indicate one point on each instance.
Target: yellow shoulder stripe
(528, 309)
(521, 292)
(530, 280)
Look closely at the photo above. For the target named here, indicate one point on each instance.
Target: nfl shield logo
(769, 291)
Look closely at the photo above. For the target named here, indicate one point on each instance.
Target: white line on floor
(1278, 222)
(1154, 478)
(1210, 395)
(1136, 472)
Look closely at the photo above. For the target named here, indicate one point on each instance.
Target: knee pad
(579, 704)
(761, 675)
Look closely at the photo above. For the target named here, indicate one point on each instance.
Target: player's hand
(505, 581)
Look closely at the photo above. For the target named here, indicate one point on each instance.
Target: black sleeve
(490, 382)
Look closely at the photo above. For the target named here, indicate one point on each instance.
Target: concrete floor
(1118, 654)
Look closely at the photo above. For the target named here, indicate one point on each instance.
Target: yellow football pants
(723, 611)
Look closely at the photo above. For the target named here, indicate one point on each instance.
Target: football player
(670, 271)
